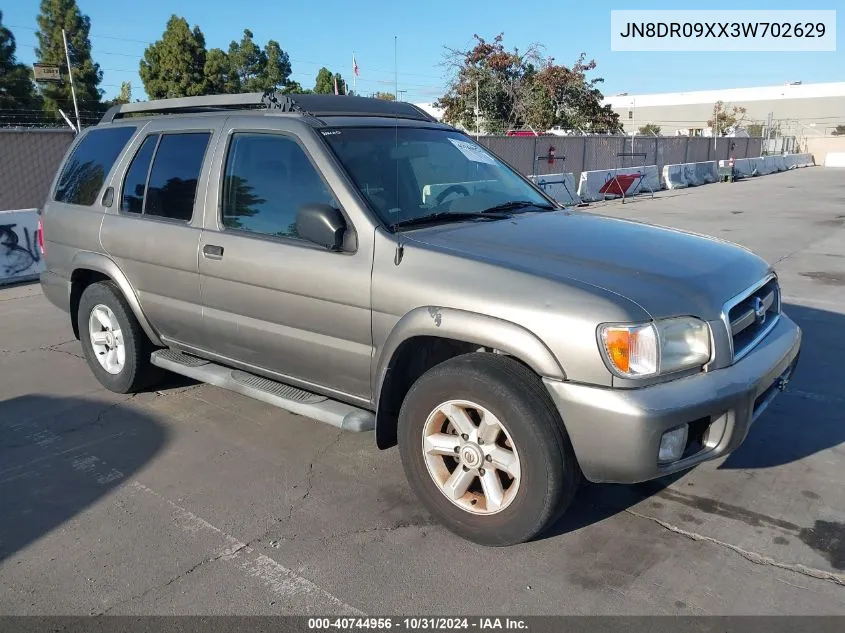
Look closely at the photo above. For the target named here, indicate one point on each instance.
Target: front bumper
(616, 432)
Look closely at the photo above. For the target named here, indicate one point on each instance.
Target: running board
(277, 394)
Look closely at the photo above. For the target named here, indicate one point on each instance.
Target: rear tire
(115, 346)
(512, 429)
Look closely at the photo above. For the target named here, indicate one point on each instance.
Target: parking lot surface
(194, 500)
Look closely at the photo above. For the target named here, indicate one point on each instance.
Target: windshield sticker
(329, 132)
(473, 152)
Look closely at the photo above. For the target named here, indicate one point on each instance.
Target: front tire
(485, 450)
(115, 346)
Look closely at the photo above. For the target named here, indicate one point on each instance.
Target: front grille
(750, 317)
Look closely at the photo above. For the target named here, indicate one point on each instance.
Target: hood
(666, 271)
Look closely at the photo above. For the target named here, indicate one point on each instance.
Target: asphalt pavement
(194, 500)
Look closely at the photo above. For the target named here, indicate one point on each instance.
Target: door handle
(210, 251)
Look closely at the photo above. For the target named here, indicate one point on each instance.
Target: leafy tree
(295, 88)
(649, 129)
(54, 16)
(326, 82)
(17, 92)
(219, 77)
(725, 118)
(247, 63)
(839, 130)
(755, 129)
(385, 96)
(515, 89)
(174, 66)
(124, 96)
(277, 69)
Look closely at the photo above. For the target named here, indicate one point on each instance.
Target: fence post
(584, 140)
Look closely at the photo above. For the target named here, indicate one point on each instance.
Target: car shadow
(804, 421)
(60, 455)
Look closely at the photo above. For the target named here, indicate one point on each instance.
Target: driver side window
(268, 177)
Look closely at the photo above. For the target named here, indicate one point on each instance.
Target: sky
(326, 33)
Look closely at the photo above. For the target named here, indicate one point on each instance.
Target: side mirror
(321, 224)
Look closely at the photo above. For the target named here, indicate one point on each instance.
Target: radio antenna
(400, 250)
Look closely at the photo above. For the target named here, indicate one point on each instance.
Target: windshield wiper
(446, 216)
(518, 204)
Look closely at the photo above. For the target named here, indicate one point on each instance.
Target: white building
(795, 109)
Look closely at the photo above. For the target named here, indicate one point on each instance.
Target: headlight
(660, 347)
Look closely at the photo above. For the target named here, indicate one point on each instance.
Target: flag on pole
(354, 65)
(335, 85)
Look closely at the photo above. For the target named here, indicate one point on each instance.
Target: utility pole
(395, 69)
(70, 75)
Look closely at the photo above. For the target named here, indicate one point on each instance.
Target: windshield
(412, 173)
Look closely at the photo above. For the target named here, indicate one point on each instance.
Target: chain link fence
(29, 159)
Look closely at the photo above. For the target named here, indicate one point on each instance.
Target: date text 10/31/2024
(417, 624)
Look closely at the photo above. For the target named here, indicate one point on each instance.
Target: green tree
(839, 130)
(385, 96)
(649, 129)
(277, 69)
(54, 16)
(17, 92)
(247, 63)
(324, 84)
(724, 118)
(518, 88)
(219, 77)
(124, 96)
(174, 66)
(755, 129)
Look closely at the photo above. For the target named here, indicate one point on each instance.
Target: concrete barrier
(20, 256)
(682, 175)
(835, 159)
(591, 182)
(561, 187)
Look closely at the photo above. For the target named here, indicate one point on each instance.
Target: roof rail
(308, 104)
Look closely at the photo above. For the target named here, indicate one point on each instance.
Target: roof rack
(313, 105)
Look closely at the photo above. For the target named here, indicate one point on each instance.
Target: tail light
(41, 236)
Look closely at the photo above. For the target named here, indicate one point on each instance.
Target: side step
(305, 403)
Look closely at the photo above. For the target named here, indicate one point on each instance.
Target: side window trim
(284, 239)
(160, 134)
(146, 179)
(143, 213)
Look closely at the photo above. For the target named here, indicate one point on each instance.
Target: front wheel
(485, 450)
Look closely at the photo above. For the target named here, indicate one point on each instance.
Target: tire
(546, 472)
(135, 373)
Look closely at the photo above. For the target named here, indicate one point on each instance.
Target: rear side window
(85, 171)
(135, 183)
(172, 185)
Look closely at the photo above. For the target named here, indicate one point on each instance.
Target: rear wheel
(115, 346)
(484, 448)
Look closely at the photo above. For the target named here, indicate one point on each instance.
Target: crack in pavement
(224, 554)
(309, 477)
(754, 557)
(45, 348)
(39, 437)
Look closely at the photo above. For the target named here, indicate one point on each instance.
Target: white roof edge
(762, 93)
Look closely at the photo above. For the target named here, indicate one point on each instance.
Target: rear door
(274, 301)
(153, 229)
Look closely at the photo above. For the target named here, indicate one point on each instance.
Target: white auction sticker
(473, 152)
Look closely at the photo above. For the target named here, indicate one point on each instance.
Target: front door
(271, 299)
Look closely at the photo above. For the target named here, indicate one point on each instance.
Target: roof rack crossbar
(309, 104)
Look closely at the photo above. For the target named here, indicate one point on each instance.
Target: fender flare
(107, 266)
(469, 327)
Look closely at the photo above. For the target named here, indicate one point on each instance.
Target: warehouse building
(793, 109)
